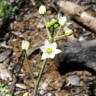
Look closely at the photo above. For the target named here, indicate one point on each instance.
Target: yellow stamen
(49, 50)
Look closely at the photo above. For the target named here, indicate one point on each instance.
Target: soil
(28, 25)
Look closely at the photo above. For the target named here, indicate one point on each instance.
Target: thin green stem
(48, 33)
(59, 38)
(39, 78)
(31, 72)
(57, 33)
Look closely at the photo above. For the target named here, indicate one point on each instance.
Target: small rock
(5, 73)
(40, 24)
(26, 94)
(81, 38)
(49, 94)
(5, 54)
(73, 80)
(44, 87)
(22, 86)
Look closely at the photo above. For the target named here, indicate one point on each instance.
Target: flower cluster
(63, 22)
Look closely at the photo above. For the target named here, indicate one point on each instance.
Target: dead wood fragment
(5, 74)
(16, 70)
(77, 12)
(5, 54)
(77, 55)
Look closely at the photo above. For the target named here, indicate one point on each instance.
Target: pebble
(73, 80)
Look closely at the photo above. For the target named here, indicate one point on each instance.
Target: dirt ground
(28, 25)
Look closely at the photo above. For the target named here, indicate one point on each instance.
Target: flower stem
(39, 78)
(47, 30)
(57, 33)
(59, 38)
(31, 72)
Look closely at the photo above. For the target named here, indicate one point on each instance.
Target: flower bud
(62, 20)
(67, 31)
(42, 9)
(25, 45)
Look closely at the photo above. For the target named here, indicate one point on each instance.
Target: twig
(77, 12)
(18, 67)
(31, 72)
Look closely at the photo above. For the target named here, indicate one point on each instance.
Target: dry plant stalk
(78, 13)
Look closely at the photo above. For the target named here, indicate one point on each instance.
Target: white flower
(62, 20)
(25, 45)
(49, 50)
(42, 9)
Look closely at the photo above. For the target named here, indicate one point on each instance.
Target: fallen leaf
(5, 54)
(22, 86)
(26, 94)
(4, 72)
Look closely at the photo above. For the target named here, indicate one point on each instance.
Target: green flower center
(49, 50)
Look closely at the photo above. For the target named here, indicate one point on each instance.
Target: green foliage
(12, 11)
(14, 8)
(38, 3)
(4, 90)
(3, 7)
(6, 10)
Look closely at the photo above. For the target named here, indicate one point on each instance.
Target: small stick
(77, 12)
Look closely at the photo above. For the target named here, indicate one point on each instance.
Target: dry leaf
(22, 86)
(4, 72)
(5, 54)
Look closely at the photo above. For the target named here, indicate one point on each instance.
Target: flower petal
(44, 56)
(52, 56)
(46, 42)
(46, 45)
(53, 46)
(42, 48)
(57, 51)
(62, 20)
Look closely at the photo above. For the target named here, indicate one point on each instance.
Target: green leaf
(3, 8)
